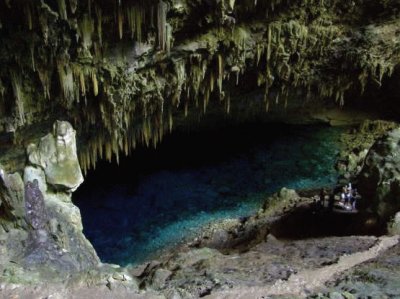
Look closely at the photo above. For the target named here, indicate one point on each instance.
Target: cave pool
(158, 197)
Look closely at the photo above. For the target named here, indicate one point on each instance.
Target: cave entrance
(157, 197)
(311, 222)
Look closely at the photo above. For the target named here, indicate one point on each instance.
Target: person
(316, 203)
(343, 195)
(322, 197)
(354, 200)
(348, 200)
(331, 201)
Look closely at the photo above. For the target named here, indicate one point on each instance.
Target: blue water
(130, 218)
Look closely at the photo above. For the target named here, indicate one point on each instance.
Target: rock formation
(380, 177)
(40, 227)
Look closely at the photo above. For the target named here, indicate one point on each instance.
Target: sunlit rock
(56, 155)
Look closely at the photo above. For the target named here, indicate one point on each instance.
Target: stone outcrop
(379, 180)
(56, 155)
(41, 228)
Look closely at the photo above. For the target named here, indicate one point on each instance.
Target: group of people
(348, 197)
(347, 201)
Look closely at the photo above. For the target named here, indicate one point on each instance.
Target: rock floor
(273, 269)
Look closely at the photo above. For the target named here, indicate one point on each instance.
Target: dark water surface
(156, 197)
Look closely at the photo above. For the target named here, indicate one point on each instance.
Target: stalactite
(228, 104)
(2, 89)
(66, 79)
(62, 9)
(16, 83)
(168, 38)
(269, 39)
(266, 101)
(43, 21)
(170, 121)
(108, 151)
(231, 5)
(212, 81)
(135, 17)
(99, 23)
(162, 11)
(186, 108)
(73, 4)
(220, 72)
(95, 83)
(44, 72)
(120, 17)
(28, 14)
(259, 50)
(363, 77)
(86, 30)
(32, 52)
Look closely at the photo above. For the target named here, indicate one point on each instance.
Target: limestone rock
(160, 278)
(35, 173)
(394, 227)
(56, 155)
(379, 180)
(12, 195)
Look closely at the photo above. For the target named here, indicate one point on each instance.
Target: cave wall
(125, 72)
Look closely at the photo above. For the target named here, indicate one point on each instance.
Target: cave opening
(312, 222)
(195, 177)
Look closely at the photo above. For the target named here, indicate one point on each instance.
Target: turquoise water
(194, 179)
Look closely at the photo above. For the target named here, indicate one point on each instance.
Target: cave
(177, 148)
(156, 197)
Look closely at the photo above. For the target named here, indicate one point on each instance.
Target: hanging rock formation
(125, 72)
